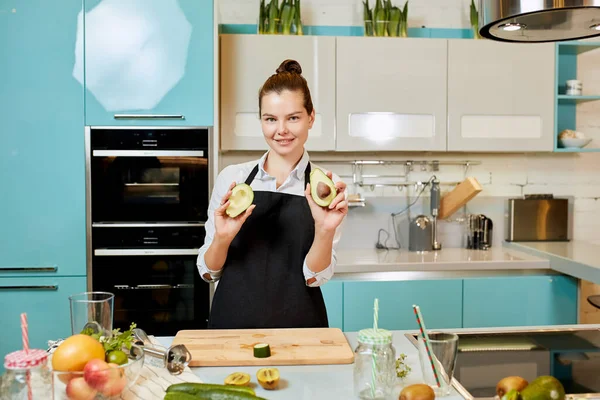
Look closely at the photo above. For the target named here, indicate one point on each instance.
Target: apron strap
(250, 177)
(307, 175)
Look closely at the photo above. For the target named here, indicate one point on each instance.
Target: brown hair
(287, 77)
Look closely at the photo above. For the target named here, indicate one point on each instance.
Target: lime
(117, 356)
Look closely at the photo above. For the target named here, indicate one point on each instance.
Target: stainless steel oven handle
(33, 287)
(150, 287)
(149, 225)
(146, 252)
(148, 153)
(29, 269)
(148, 116)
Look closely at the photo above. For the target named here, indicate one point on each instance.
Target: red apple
(78, 389)
(97, 373)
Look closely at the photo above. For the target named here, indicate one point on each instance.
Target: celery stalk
(273, 16)
(298, 18)
(287, 16)
(394, 22)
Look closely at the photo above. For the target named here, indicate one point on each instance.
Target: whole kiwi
(418, 391)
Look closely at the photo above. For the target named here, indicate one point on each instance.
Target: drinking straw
(25, 336)
(425, 337)
(374, 364)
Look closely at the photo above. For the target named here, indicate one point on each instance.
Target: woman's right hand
(226, 227)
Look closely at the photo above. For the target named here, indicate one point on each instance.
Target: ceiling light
(535, 21)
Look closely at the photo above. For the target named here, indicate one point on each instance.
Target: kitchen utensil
(479, 235)
(537, 218)
(435, 209)
(292, 346)
(91, 307)
(459, 196)
(175, 359)
(444, 351)
(420, 235)
(574, 143)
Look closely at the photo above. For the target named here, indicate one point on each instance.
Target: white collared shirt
(294, 185)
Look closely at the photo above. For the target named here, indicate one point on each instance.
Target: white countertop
(332, 382)
(576, 258)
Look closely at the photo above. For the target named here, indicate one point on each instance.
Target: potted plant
(280, 19)
(385, 19)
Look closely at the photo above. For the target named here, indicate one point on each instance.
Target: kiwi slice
(262, 350)
(241, 198)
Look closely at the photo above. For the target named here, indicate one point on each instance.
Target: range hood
(535, 21)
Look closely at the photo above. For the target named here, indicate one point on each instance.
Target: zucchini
(212, 394)
(200, 388)
(262, 350)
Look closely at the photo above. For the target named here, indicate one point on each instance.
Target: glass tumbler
(96, 307)
(444, 347)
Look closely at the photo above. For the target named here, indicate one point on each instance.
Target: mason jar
(374, 364)
(27, 376)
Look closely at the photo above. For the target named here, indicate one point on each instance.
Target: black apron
(262, 284)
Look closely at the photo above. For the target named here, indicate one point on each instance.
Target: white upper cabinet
(391, 94)
(248, 60)
(500, 96)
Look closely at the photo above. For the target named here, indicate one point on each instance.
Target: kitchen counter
(379, 264)
(332, 382)
(576, 258)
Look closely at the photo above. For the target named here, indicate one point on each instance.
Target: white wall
(507, 175)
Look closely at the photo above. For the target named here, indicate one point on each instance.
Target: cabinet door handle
(149, 116)
(29, 269)
(146, 252)
(34, 287)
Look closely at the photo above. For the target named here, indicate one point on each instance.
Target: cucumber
(212, 394)
(200, 388)
(262, 350)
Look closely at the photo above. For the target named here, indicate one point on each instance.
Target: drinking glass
(444, 347)
(95, 307)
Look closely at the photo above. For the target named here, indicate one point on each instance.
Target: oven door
(158, 289)
(149, 186)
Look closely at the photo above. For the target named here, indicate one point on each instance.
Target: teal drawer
(440, 302)
(333, 294)
(46, 302)
(520, 301)
(155, 68)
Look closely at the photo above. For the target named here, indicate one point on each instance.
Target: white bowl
(574, 143)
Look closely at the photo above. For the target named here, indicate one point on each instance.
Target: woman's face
(285, 122)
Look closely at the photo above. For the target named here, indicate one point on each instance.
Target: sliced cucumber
(262, 350)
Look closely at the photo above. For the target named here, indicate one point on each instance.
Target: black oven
(149, 174)
(147, 198)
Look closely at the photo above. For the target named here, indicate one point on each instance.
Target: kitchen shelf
(563, 98)
(567, 58)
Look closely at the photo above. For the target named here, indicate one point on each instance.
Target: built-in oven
(147, 198)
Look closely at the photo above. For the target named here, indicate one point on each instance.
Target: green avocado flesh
(322, 189)
(241, 198)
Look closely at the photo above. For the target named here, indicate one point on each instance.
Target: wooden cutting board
(302, 346)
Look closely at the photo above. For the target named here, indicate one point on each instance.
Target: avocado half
(241, 198)
(322, 189)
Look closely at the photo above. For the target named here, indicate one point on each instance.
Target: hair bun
(291, 66)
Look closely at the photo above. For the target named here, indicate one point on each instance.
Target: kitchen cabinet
(333, 294)
(46, 302)
(246, 63)
(42, 160)
(147, 62)
(391, 94)
(520, 301)
(440, 302)
(500, 96)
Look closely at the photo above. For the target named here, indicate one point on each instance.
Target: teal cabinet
(42, 159)
(440, 302)
(333, 294)
(46, 302)
(520, 301)
(148, 62)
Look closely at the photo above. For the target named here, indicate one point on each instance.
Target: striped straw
(25, 336)
(373, 360)
(425, 337)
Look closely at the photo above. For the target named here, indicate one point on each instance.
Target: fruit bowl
(577, 143)
(99, 380)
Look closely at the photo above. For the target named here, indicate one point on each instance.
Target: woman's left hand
(330, 217)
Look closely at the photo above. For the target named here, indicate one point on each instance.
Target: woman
(270, 260)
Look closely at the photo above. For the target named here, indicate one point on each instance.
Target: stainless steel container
(420, 234)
